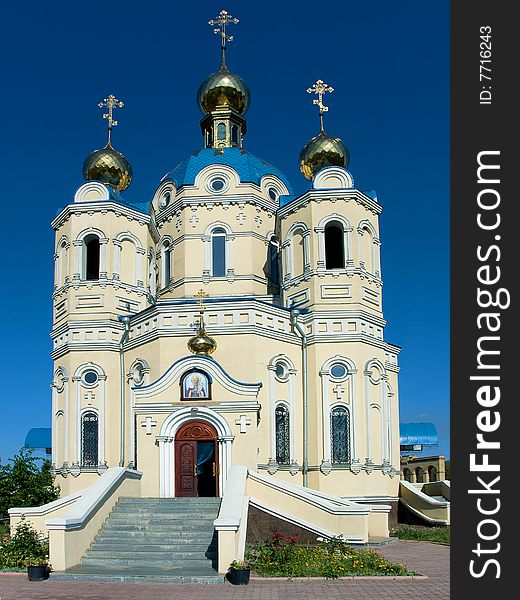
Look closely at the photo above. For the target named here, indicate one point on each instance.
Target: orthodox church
(225, 322)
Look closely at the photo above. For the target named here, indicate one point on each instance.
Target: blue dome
(250, 169)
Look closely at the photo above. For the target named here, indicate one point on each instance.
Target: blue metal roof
(250, 168)
(424, 434)
(39, 437)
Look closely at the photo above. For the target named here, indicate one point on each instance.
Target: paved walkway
(428, 559)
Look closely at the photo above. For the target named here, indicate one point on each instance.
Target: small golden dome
(202, 343)
(323, 151)
(223, 89)
(108, 166)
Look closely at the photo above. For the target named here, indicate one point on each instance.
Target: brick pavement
(428, 559)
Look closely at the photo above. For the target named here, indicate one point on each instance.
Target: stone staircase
(161, 540)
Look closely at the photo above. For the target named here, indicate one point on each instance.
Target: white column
(118, 249)
(349, 257)
(320, 231)
(367, 414)
(140, 257)
(54, 428)
(66, 417)
(101, 420)
(292, 416)
(327, 461)
(103, 242)
(77, 417)
(78, 244)
(354, 425)
(306, 251)
(272, 418)
(287, 249)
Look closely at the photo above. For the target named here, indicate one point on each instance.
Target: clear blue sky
(389, 64)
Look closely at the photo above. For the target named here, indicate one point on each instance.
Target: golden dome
(108, 166)
(202, 343)
(223, 89)
(323, 151)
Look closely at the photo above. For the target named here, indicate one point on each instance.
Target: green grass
(436, 535)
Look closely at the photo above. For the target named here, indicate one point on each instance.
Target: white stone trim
(333, 178)
(166, 440)
(212, 367)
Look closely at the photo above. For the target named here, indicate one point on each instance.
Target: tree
(24, 483)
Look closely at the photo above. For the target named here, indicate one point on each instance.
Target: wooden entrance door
(196, 460)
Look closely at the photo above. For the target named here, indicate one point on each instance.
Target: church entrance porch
(196, 460)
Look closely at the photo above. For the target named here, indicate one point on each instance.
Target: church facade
(224, 322)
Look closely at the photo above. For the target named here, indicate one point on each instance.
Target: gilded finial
(111, 102)
(201, 342)
(320, 88)
(223, 20)
(201, 295)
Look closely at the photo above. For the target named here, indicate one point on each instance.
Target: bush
(286, 557)
(24, 483)
(24, 548)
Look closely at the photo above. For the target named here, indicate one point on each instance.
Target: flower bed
(287, 557)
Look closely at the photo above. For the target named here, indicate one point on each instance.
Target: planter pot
(239, 576)
(38, 572)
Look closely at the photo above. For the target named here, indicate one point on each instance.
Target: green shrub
(286, 557)
(24, 548)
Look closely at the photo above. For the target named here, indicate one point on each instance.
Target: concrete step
(171, 555)
(149, 546)
(147, 562)
(177, 536)
(166, 502)
(162, 527)
(162, 516)
(148, 574)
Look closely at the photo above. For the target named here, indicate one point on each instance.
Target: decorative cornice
(329, 195)
(99, 207)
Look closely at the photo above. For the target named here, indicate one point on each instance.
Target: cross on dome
(111, 102)
(223, 20)
(320, 88)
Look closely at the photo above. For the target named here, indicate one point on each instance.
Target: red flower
(294, 539)
(278, 548)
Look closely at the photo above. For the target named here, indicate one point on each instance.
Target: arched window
(91, 247)
(218, 252)
(272, 267)
(340, 434)
(298, 254)
(89, 439)
(334, 250)
(221, 132)
(432, 473)
(282, 434)
(234, 134)
(419, 475)
(407, 474)
(166, 264)
(209, 136)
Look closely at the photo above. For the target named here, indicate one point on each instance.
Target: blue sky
(389, 65)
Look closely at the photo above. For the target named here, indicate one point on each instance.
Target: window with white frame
(89, 439)
(340, 435)
(91, 255)
(282, 434)
(218, 252)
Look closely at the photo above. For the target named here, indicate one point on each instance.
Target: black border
(475, 128)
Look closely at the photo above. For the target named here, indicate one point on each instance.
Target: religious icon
(195, 385)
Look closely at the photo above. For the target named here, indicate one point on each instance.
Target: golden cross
(111, 102)
(320, 88)
(201, 294)
(223, 20)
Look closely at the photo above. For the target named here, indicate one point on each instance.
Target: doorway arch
(196, 460)
(166, 442)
